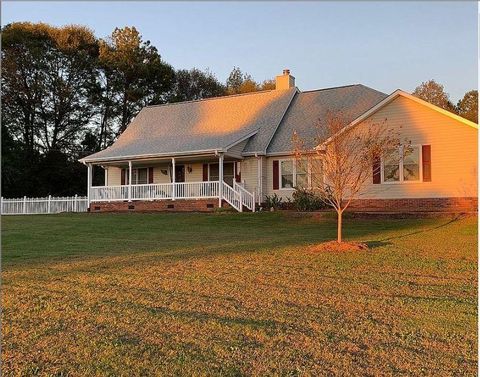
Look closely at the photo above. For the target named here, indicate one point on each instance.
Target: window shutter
(376, 171)
(205, 172)
(276, 174)
(122, 177)
(427, 163)
(150, 175)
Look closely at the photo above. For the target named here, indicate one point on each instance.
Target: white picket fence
(49, 204)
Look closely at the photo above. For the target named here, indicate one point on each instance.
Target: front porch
(210, 179)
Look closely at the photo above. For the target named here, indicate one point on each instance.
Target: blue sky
(385, 45)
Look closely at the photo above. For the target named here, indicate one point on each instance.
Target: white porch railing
(194, 190)
(237, 196)
(151, 191)
(46, 205)
(232, 197)
(247, 199)
(108, 193)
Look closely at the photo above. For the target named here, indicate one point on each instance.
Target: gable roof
(208, 125)
(397, 93)
(309, 108)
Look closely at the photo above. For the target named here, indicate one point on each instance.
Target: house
(236, 150)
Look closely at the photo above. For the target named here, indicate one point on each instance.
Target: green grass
(236, 294)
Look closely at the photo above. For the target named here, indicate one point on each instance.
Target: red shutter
(427, 163)
(238, 176)
(205, 172)
(376, 171)
(150, 175)
(122, 177)
(276, 174)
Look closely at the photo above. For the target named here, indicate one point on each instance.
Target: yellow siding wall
(114, 176)
(248, 169)
(114, 173)
(197, 173)
(454, 149)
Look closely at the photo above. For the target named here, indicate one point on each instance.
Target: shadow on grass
(386, 241)
(32, 240)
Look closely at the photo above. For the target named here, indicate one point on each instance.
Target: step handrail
(247, 198)
(232, 196)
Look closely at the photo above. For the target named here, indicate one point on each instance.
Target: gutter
(151, 155)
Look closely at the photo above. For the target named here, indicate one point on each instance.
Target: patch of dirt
(334, 246)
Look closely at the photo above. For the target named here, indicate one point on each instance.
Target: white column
(129, 181)
(220, 180)
(75, 204)
(106, 176)
(89, 185)
(24, 204)
(49, 203)
(259, 177)
(173, 178)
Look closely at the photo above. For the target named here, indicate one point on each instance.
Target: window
(139, 176)
(286, 174)
(294, 174)
(402, 165)
(411, 164)
(228, 173)
(301, 174)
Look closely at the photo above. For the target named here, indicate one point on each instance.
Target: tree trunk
(339, 226)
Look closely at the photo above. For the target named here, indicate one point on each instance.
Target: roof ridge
(212, 98)
(333, 87)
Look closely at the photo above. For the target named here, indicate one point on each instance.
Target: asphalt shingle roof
(216, 123)
(201, 125)
(309, 108)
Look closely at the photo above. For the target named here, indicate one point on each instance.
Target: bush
(273, 201)
(306, 200)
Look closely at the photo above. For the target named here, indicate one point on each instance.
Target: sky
(384, 45)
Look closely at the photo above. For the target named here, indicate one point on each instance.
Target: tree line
(67, 94)
(433, 92)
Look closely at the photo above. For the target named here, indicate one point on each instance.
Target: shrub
(307, 200)
(273, 201)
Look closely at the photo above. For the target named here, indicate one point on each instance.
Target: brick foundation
(180, 205)
(415, 205)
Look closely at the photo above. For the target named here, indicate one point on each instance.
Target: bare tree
(344, 159)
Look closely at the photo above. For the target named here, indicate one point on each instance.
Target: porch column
(220, 180)
(259, 178)
(106, 176)
(129, 181)
(173, 178)
(89, 184)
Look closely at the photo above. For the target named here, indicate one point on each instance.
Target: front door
(180, 173)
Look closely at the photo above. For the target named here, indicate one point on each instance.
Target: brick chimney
(285, 81)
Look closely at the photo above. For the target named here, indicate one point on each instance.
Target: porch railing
(108, 193)
(179, 190)
(247, 198)
(151, 191)
(194, 190)
(237, 196)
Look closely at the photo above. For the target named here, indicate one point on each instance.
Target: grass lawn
(236, 294)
